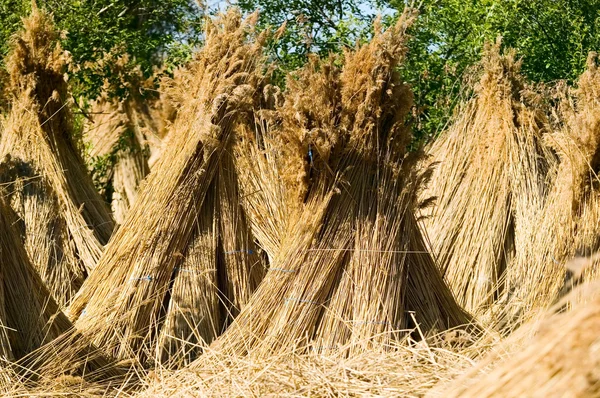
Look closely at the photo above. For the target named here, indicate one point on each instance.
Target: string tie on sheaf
(143, 278)
(371, 322)
(282, 270)
(297, 300)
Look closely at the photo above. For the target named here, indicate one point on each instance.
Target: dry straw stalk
(66, 221)
(348, 261)
(128, 298)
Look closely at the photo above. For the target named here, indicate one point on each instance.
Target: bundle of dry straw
(575, 205)
(556, 356)
(491, 182)
(125, 135)
(29, 317)
(331, 192)
(567, 224)
(64, 220)
(183, 261)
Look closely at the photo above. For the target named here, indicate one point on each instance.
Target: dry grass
(491, 184)
(66, 221)
(127, 299)
(406, 369)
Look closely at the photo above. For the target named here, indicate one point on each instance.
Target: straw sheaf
(568, 223)
(326, 260)
(554, 356)
(125, 134)
(122, 134)
(577, 145)
(575, 194)
(491, 181)
(125, 301)
(29, 315)
(37, 133)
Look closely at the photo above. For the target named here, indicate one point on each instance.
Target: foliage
(552, 36)
(147, 30)
(312, 26)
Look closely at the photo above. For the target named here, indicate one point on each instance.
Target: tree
(148, 31)
(552, 36)
(312, 26)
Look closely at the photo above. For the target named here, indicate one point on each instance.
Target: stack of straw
(29, 316)
(556, 356)
(65, 222)
(183, 263)
(491, 183)
(329, 171)
(125, 135)
(567, 225)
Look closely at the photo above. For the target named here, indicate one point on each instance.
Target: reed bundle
(491, 182)
(66, 221)
(29, 315)
(34, 331)
(578, 147)
(125, 135)
(115, 139)
(567, 224)
(175, 258)
(552, 356)
(329, 166)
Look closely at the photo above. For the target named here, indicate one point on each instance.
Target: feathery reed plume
(169, 230)
(491, 182)
(51, 190)
(347, 257)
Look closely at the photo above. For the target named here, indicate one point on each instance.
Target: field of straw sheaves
(275, 247)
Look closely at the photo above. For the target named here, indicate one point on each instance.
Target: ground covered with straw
(264, 241)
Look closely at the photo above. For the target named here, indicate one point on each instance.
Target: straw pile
(329, 169)
(406, 370)
(182, 262)
(556, 357)
(125, 136)
(64, 221)
(29, 317)
(491, 182)
(578, 146)
(113, 140)
(567, 225)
